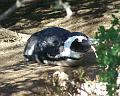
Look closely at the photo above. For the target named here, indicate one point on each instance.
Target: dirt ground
(20, 79)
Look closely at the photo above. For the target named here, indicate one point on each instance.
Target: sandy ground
(20, 79)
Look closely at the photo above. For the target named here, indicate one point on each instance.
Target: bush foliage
(108, 51)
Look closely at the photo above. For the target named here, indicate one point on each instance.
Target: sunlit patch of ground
(20, 79)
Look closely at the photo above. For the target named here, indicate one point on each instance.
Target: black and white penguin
(56, 44)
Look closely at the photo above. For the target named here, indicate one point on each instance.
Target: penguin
(56, 44)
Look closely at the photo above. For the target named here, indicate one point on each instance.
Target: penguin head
(81, 43)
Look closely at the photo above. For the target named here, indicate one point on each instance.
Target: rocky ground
(20, 79)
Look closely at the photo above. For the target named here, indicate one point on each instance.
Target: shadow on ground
(31, 16)
(36, 79)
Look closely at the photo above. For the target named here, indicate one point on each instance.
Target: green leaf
(107, 50)
(115, 20)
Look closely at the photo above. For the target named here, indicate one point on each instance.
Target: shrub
(108, 51)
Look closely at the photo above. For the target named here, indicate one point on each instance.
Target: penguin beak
(85, 42)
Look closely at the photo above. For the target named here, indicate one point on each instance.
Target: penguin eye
(84, 40)
(77, 40)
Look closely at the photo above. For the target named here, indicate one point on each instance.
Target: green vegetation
(108, 51)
